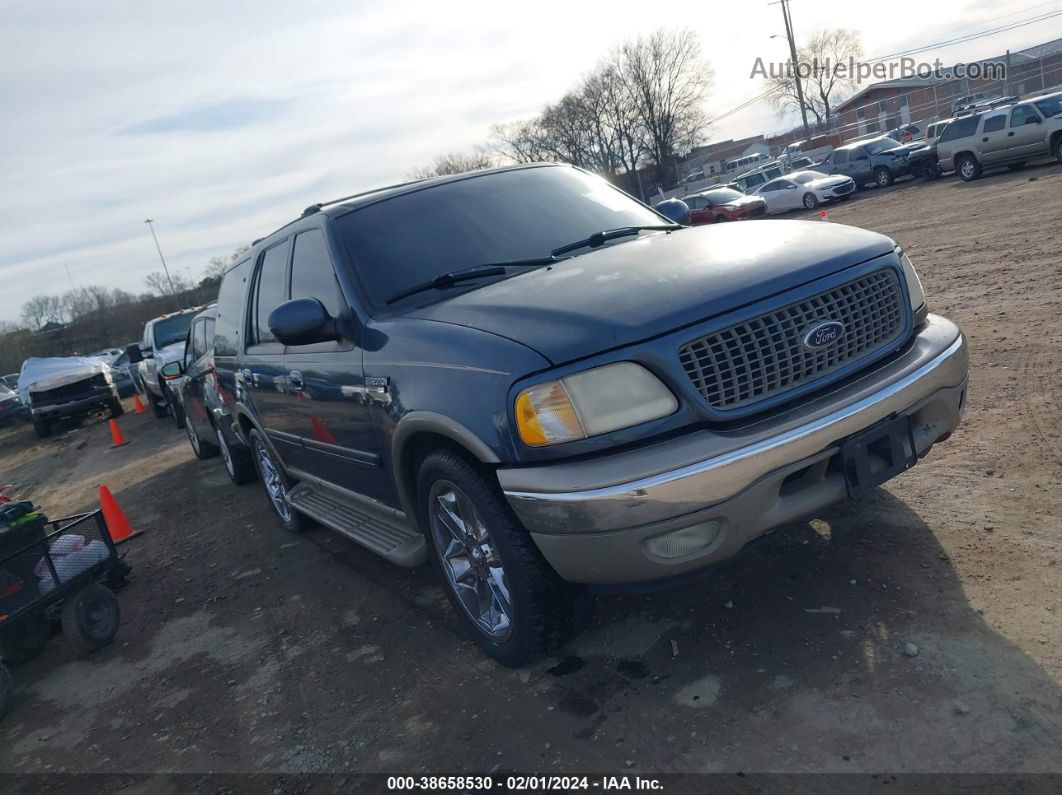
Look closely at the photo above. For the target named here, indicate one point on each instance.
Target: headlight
(591, 403)
(914, 286)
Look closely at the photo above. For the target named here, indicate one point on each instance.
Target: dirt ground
(243, 648)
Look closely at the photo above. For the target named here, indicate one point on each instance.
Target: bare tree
(822, 85)
(669, 79)
(158, 284)
(35, 311)
(453, 163)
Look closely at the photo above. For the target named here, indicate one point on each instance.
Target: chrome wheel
(226, 455)
(470, 560)
(274, 484)
(967, 169)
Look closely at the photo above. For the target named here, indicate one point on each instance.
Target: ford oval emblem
(823, 335)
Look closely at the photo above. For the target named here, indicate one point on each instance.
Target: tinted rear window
(411, 238)
(960, 128)
(229, 324)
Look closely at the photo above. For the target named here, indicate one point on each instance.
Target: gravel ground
(916, 631)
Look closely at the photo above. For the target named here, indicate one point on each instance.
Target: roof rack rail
(314, 208)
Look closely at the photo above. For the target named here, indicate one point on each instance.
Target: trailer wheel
(90, 619)
(6, 687)
(26, 639)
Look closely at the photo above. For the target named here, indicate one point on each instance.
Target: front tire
(159, 405)
(720, 219)
(1058, 149)
(811, 201)
(514, 606)
(277, 485)
(117, 409)
(203, 450)
(42, 427)
(883, 177)
(969, 169)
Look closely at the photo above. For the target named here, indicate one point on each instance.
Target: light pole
(166, 270)
(796, 66)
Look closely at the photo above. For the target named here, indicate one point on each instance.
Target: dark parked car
(200, 407)
(10, 406)
(537, 383)
(724, 204)
(878, 161)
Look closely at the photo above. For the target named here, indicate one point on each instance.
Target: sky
(222, 121)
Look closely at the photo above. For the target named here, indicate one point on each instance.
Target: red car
(724, 204)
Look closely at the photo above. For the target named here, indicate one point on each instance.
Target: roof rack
(315, 208)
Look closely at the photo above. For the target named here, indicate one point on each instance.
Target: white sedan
(804, 189)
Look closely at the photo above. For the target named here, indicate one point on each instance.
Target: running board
(387, 536)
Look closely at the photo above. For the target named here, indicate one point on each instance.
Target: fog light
(684, 541)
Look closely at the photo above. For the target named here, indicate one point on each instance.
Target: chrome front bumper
(591, 518)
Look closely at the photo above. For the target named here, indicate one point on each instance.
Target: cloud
(212, 118)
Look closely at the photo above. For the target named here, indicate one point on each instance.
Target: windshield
(723, 196)
(169, 330)
(1052, 106)
(414, 237)
(879, 146)
(805, 177)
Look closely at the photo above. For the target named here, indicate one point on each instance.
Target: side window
(230, 320)
(960, 128)
(1023, 114)
(312, 275)
(995, 123)
(198, 339)
(840, 156)
(860, 154)
(208, 334)
(270, 290)
(189, 349)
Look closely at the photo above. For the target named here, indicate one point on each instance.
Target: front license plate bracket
(875, 455)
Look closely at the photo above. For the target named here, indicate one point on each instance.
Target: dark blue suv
(544, 387)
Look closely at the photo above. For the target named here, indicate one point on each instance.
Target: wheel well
(1055, 136)
(960, 155)
(418, 447)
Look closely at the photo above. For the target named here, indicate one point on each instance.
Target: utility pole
(166, 270)
(796, 67)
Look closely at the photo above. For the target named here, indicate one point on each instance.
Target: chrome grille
(765, 356)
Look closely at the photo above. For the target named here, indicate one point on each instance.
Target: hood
(171, 353)
(40, 374)
(654, 284)
(828, 182)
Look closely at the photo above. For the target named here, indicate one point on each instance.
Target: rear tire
(6, 687)
(239, 462)
(42, 427)
(968, 167)
(90, 619)
(203, 450)
(509, 599)
(26, 639)
(1058, 148)
(277, 485)
(931, 172)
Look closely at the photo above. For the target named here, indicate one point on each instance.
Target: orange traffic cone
(822, 216)
(138, 407)
(117, 524)
(117, 440)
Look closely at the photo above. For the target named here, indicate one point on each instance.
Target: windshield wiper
(600, 238)
(456, 277)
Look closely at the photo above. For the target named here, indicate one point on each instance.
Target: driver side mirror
(134, 353)
(302, 321)
(172, 370)
(1033, 120)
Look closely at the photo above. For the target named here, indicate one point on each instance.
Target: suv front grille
(765, 356)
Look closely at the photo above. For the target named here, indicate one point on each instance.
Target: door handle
(984, 140)
(295, 380)
(1010, 134)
